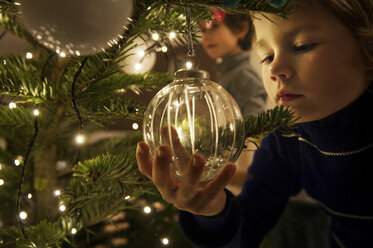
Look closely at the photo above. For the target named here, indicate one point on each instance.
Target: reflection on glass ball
(76, 28)
(195, 115)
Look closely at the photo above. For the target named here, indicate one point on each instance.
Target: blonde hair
(357, 15)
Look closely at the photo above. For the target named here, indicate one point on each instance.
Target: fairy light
(62, 54)
(77, 53)
(141, 53)
(12, 105)
(17, 162)
(165, 241)
(172, 35)
(155, 36)
(138, 66)
(29, 55)
(29, 195)
(147, 210)
(23, 215)
(36, 112)
(57, 192)
(189, 64)
(127, 197)
(2, 182)
(74, 231)
(62, 208)
(164, 49)
(135, 126)
(79, 139)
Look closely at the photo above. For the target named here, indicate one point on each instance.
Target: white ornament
(140, 60)
(73, 27)
(195, 115)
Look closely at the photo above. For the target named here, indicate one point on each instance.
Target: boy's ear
(244, 29)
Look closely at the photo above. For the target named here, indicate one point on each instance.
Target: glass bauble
(73, 27)
(195, 115)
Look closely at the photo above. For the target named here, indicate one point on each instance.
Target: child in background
(227, 39)
(320, 61)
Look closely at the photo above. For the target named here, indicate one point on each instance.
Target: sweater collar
(348, 129)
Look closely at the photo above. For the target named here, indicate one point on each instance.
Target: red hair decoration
(218, 16)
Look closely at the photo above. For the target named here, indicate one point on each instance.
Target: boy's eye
(267, 59)
(304, 47)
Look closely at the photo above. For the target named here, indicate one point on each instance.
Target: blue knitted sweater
(332, 159)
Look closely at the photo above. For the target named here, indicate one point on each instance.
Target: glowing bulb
(164, 49)
(62, 208)
(141, 53)
(29, 195)
(23, 215)
(172, 35)
(74, 231)
(138, 66)
(165, 241)
(189, 64)
(135, 126)
(17, 162)
(36, 112)
(57, 192)
(29, 55)
(12, 105)
(1, 181)
(147, 210)
(79, 139)
(155, 36)
(127, 197)
(1, 166)
(77, 53)
(62, 54)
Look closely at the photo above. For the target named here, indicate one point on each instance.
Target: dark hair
(234, 23)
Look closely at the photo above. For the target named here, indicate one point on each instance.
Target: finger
(144, 160)
(161, 172)
(192, 176)
(171, 138)
(223, 178)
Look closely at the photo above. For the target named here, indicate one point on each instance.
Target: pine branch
(17, 117)
(280, 118)
(21, 77)
(99, 183)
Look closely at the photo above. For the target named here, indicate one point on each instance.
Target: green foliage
(280, 118)
(96, 188)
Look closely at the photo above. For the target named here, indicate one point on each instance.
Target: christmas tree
(62, 186)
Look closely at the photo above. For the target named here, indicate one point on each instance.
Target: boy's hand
(187, 193)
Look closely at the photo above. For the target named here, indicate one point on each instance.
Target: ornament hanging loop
(191, 59)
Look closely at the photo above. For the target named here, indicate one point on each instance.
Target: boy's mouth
(286, 97)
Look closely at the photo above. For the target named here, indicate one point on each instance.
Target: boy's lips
(286, 97)
(211, 46)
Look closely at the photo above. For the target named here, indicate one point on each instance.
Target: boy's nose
(280, 69)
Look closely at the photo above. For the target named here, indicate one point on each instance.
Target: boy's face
(310, 61)
(218, 40)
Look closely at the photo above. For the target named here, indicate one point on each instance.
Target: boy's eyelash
(304, 47)
(267, 58)
(298, 48)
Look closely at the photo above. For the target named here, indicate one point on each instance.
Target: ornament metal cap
(185, 73)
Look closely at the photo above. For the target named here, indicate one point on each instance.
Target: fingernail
(139, 149)
(161, 152)
(196, 163)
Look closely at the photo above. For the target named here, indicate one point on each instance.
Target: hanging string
(73, 99)
(31, 144)
(191, 56)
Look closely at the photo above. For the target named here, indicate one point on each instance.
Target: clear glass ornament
(195, 115)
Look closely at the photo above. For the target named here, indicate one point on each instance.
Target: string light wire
(73, 99)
